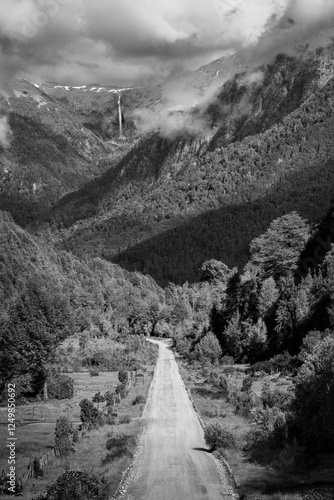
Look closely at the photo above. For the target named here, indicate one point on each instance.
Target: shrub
(60, 386)
(274, 397)
(271, 424)
(38, 471)
(109, 398)
(98, 398)
(118, 447)
(124, 419)
(64, 436)
(120, 442)
(138, 399)
(221, 383)
(115, 454)
(210, 413)
(314, 392)
(90, 415)
(262, 366)
(123, 376)
(110, 419)
(284, 363)
(247, 384)
(77, 485)
(242, 402)
(122, 390)
(93, 372)
(217, 437)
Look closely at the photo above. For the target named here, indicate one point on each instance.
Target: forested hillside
(283, 293)
(171, 204)
(48, 295)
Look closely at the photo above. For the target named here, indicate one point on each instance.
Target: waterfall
(120, 117)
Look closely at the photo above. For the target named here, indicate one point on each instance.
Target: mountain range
(198, 182)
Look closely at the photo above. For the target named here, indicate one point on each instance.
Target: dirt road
(171, 463)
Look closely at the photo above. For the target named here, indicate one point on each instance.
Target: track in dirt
(172, 462)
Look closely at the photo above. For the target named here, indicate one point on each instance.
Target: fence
(47, 458)
(35, 414)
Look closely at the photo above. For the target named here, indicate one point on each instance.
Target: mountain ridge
(162, 183)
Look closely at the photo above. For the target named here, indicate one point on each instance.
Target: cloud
(169, 123)
(125, 41)
(5, 132)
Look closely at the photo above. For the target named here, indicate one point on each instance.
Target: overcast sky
(124, 42)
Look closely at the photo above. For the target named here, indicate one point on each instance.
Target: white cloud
(121, 41)
(5, 132)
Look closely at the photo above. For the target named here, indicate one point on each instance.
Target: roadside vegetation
(94, 436)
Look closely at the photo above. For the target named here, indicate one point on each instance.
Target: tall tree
(276, 252)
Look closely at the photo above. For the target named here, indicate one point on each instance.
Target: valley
(133, 214)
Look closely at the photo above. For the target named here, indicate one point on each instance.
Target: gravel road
(171, 462)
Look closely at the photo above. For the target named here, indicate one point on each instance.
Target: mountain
(50, 153)
(96, 106)
(173, 202)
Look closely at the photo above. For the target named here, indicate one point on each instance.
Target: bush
(283, 363)
(217, 437)
(274, 397)
(247, 384)
(90, 415)
(242, 401)
(221, 383)
(123, 376)
(138, 399)
(118, 447)
(93, 372)
(110, 419)
(262, 366)
(98, 398)
(77, 485)
(64, 436)
(116, 454)
(120, 442)
(109, 398)
(38, 471)
(60, 386)
(124, 419)
(271, 425)
(314, 393)
(122, 390)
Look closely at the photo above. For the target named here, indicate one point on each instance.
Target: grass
(36, 439)
(251, 477)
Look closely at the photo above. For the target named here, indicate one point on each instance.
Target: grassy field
(253, 474)
(35, 437)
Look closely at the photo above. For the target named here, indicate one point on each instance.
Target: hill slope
(47, 295)
(172, 203)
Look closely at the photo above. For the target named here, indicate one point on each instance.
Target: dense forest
(47, 296)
